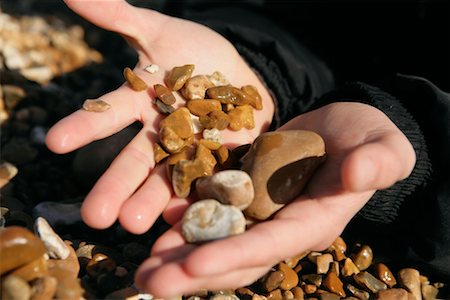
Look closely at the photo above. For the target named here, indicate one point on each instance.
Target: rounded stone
(231, 187)
(208, 219)
(280, 164)
(14, 288)
(56, 248)
(363, 257)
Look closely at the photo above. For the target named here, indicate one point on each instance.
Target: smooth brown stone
(290, 279)
(134, 81)
(215, 119)
(275, 295)
(222, 155)
(180, 122)
(309, 288)
(313, 279)
(349, 268)
(184, 173)
(163, 108)
(241, 117)
(195, 87)
(323, 263)
(44, 288)
(338, 249)
(178, 76)
(299, 294)
(429, 292)
(392, 294)
(384, 274)
(270, 155)
(363, 257)
(254, 95)
(203, 107)
(14, 288)
(211, 145)
(369, 282)
(358, 293)
(32, 270)
(410, 279)
(186, 154)
(164, 94)
(95, 105)
(328, 296)
(293, 261)
(68, 287)
(273, 280)
(71, 263)
(158, 153)
(333, 284)
(171, 141)
(18, 246)
(228, 94)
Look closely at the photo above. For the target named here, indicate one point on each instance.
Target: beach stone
(58, 214)
(159, 153)
(363, 257)
(164, 94)
(333, 284)
(384, 274)
(14, 288)
(273, 280)
(429, 292)
(176, 130)
(70, 264)
(195, 87)
(369, 282)
(231, 187)
(309, 288)
(218, 79)
(409, 278)
(358, 293)
(100, 263)
(253, 94)
(18, 246)
(323, 263)
(56, 248)
(208, 219)
(178, 76)
(212, 134)
(215, 119)
(32, 270)
(96, 105)
(44, 288)
(163, 108)
(338, 249)
(211, 145)
(228, 94)
(328, 296)
(202, 107)
(349, 268)
(392, 294)
(241, 117)
(290, 277)
(134, 81)
(280, 164)
(7, 172)
(68, 287)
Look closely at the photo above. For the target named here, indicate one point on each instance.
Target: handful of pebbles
(231, 187)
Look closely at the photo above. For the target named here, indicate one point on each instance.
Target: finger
(83, 127)
(165, 279)
(127, 172)
(378, 164)
(141, 210)
(175, 210)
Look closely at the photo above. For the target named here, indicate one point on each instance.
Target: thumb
(378, 163)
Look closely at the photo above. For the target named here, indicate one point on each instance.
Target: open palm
(133, 190)
(365, 152)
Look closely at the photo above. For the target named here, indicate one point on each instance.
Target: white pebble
(56, 248)
(152, 68)
(213, 134)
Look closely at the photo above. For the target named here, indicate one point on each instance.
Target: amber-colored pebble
(164, 94)
(204, 155)
(273, 280)
(178, 76)
(195, 87)
(35, 269)
(241, 117)
(159, 153)
(18, 246)
(363, 257)
(384, 274)
(170, 140)
(244, 293)
(211, 145)
(255, 96)
(135, 82)
(349, 268)
(299, 294)
(216, 119)
(203, 107)
(293, 261)
(222, 155)
(333, 284)
(229, 95)
(180, 121)
(338, 249)
(323, 263)
(185, 154)
(44, 288)
(291, 278)
(95, 105)
(163, 108)
(275, 295)
(309, 288)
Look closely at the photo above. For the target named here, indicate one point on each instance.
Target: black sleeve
(411, 217)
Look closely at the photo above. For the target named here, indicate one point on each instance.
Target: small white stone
(197, 126)
(152, 68)
(213, 134)
(218, 79)
(56, 248)
(208, 219)
(39, 74)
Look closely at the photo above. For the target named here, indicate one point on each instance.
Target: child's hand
(365, 152)
(133, 190)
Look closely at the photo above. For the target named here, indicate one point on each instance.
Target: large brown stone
(18, 246)
(280, 164)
